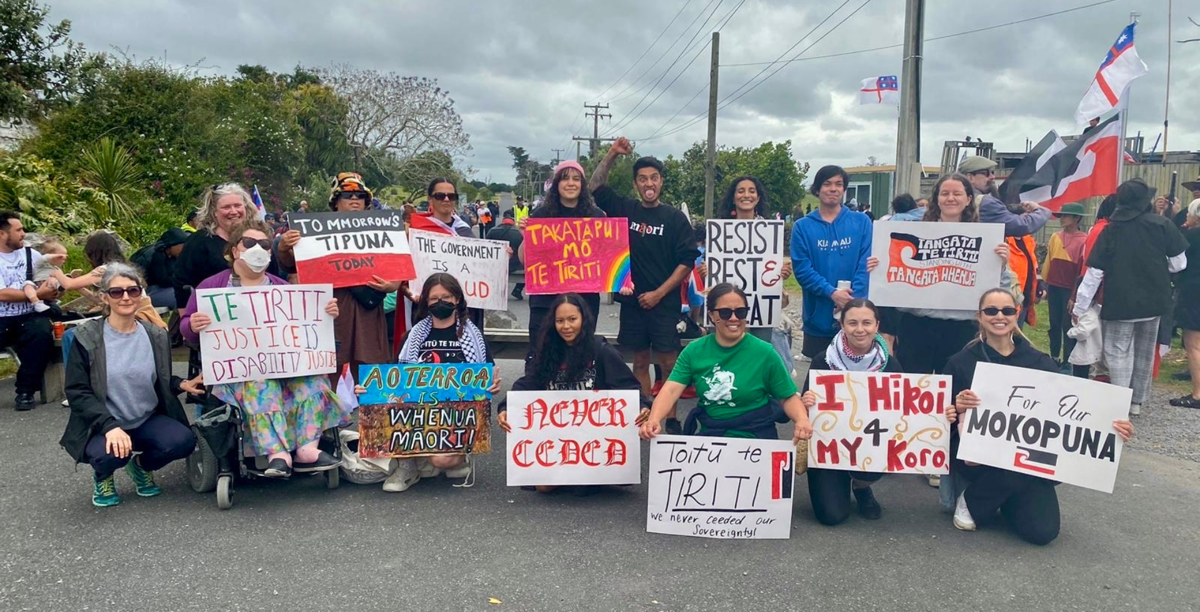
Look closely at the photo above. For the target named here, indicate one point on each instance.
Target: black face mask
(442, 309)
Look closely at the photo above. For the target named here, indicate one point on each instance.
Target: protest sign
(580, 255)
(880, 422)
(749, 255)
(347, 249)
(573, 438)
(264, 332)
(417, 410)
(934, 265)
(480, 266)
(723, 488)
(1042, 424)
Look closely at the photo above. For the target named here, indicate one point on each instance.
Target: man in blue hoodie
(829, 245)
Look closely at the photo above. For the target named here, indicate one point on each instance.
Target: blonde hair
(51, 243)
(982, 335)
(206, 219)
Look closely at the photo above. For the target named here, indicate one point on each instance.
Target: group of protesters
(1108, 289)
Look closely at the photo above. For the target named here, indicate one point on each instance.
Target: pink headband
(563, 165)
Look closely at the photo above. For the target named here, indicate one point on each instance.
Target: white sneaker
(405, 476)
(935, 480)
(461, 471)
(40, 307)
(426, 469)
(962, 516)
(1135, 409)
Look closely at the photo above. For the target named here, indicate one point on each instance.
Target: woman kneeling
(118, 384)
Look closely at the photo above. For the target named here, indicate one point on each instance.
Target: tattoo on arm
(599, 176)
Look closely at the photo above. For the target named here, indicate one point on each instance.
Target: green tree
(42, 67)
(111, 171)
(770, 162)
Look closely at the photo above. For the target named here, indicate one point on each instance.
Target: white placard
(880, 422)
(573, 438)
(1042, 424)
(480, 266)
(934, 265)
(749, 255)
(722, 488)
(260, 333)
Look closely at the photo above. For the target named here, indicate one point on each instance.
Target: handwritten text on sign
(749, 255)
(934, 265)
(347, 249)
(573, 438)
(580, 255)
(425, 382)
(416, 410)
(1043, 424)
(480, 266)
(880, 422)
(725, 488)
(259, 333)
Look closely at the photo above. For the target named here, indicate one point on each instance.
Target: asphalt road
(297, 546)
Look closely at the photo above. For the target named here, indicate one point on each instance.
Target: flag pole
(1125, 118)
(1167, 105)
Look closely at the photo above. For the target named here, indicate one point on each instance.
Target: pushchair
(219, 460)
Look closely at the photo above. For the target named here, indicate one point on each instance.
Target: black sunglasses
(250, 242)
(350, 195)
(117, 293)
(992, 311)
(726, 313)
(442, 197)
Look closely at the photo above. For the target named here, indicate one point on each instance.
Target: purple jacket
(218, 280)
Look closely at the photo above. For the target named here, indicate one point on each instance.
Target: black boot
(868, 508)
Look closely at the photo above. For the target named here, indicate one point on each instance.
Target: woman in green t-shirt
(735, 374)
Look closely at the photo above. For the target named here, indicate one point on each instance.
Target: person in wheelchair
(126, 404)
(284, 417)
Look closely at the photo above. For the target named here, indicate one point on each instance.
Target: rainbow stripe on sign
(618, 276)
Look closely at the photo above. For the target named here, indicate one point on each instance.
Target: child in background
(54, 255)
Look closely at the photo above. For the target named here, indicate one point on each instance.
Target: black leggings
(1029, 504)
(1060, 322)
(829, 492)
(925, 344)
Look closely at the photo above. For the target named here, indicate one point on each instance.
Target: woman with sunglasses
(285, 416)
(1028, 503)
(118, 382)
(735, 374)
(857, 347)
(569, 356)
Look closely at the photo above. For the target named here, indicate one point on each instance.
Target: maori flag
(1056, 173)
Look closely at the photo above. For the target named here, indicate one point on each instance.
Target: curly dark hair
(970, 214)
(553, 202)
(728, 209)
(554, 353)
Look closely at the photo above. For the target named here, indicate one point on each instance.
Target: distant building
(873, 184)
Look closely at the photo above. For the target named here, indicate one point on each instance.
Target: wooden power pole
(710, 163)
(908, 133)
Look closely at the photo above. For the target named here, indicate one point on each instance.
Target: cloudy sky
(521, 70)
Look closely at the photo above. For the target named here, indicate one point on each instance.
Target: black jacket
(203, 256)
(512, 235)
(961, 365)
(612, 374)
(87, 385)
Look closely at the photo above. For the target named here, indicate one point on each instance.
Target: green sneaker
(142, 480)
(104, 492)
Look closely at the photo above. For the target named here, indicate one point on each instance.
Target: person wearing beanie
(1134, 257)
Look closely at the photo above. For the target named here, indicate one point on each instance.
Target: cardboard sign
(1042, 424)
(260, 333)
(417, 410)
(573, 438)
(934, 265)
(579, 255)
(723, 488)
(749, 255)
(880, 422)
(347, 249)
(480, 266)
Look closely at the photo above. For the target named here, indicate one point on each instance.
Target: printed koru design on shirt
(720, 386)
(441, 351)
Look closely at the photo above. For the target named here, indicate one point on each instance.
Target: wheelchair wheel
(225, 492)
(333, 478)
(202, 466)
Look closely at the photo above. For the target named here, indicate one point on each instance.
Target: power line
(643, 55)
(730, 99)
(722, 24)
(957, 34)
(617, 96)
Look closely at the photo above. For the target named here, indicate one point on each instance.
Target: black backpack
(143, 256)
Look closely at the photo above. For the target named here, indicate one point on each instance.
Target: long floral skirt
(282, 415)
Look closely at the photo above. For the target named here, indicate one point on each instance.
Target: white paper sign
(749, 255)
(480, 266)
(880, 422)
(573, 438)
(934, 265)
(723, 488)
(1049, 425)
(260, 333)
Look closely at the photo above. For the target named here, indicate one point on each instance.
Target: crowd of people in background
(1116, 293)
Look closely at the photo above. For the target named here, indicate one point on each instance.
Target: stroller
(219, 461)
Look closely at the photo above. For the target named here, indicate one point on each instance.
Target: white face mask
(256, 258)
